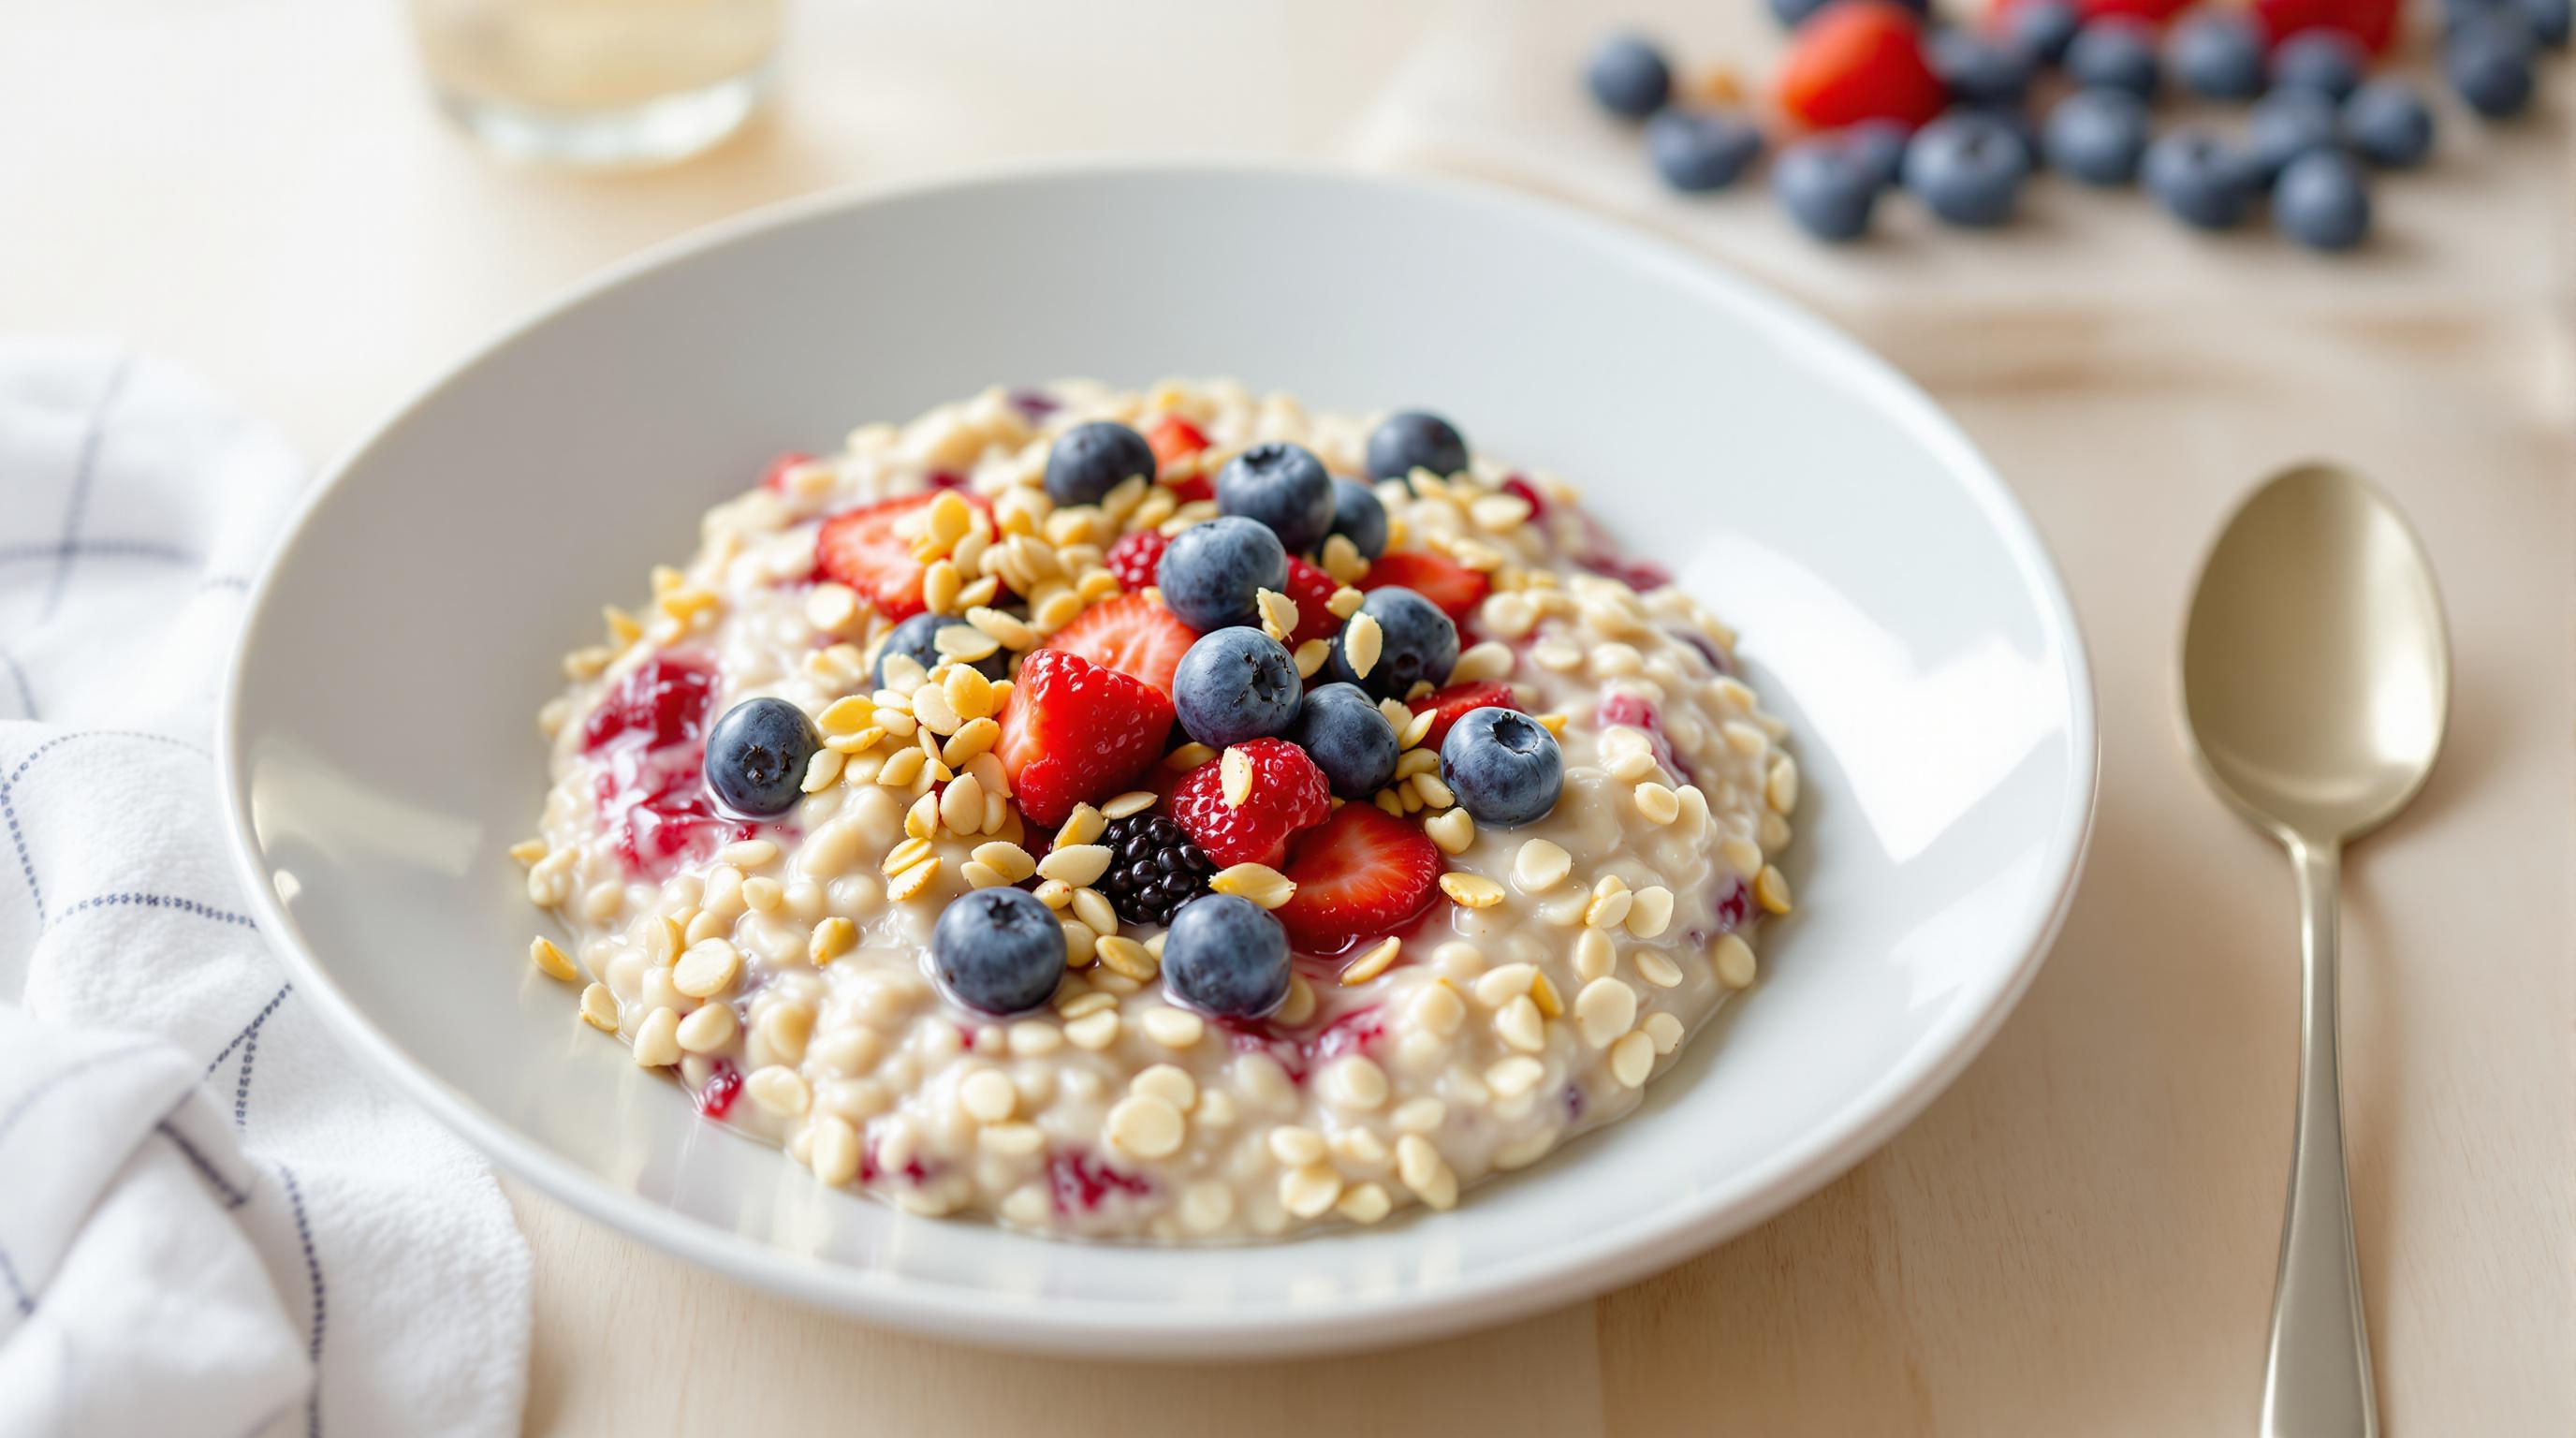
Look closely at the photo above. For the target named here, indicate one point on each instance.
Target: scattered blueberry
(2200, 180)
(2289, 123)
(1979, 69)
(1349, 738)
(1699, 150)
(2322, 201)
(756, 756)
(2217, 55)
(1879, 145)
(1235, 684)
(1793, 13)
(1283, 486)
(1222, 955)
(1503, 765)
(1417, 644)
(2043, 29)
(1358, 516)
(1403, 443)
(1827, 187)
(2016, 123)
(1089, 460)
(2489, 61)
(2097, 136)
(2327, 60)
(1628, 77)
(2388, 124)
(918, 637)
(1968, 168)
(2549, 20)
(998, 950)
(1211, 573)
(2116, 52)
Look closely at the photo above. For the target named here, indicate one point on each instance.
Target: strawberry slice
(1445, 582)
(1362, 875)
(1074, 731)
(1174, 439)
(1134, 557)
(866, 549)
(1132, 635)
(1288, 794)
(1858, 60)
(1450, 705)
(1312, 589)
(774, 478)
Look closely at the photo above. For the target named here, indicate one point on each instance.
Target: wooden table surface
(2077, 1239)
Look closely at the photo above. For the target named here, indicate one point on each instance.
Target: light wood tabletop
(2077, 1238)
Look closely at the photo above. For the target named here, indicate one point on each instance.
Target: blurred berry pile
(1881, 97)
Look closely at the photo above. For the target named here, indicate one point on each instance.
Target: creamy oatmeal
(1519, 851)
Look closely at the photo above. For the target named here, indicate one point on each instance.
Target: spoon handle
(2316, 1383)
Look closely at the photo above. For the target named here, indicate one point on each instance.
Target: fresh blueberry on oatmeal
(1011, 816)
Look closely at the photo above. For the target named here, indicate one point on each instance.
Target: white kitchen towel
(210, 1222)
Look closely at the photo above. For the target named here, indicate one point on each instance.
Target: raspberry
(1288, 794)
(1134, 556)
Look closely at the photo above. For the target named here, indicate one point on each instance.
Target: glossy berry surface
(1417, 644)
(1225, 955)
(2116, 53)
(1415, 439)
(756, 756)
(2199, 180)
(1073, 731)
(1826, 188)
(1362, 875)
(1212, 573)
(1858, 60)
(2287, 124)
(2217, 55)
(1089, 460)
(1504, 766)
(1628, 77)
(1233, 685)
(2322, 201)
(1288, 795)
(2042, 29)
(998, 950)
(1343, 731)
(1154, 868)
(2096, 136)
(2327, 61)
(1967, 169)
(1134, 557)
(2388, 124)
(1980, 69)
(2488, 60)
(1358, 516)
(1696, 151)
(917, 638)
(1283, 486)
(1879, 146)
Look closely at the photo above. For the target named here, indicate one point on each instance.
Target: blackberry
(1154, 868)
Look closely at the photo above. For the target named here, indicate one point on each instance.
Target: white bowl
(380, 752)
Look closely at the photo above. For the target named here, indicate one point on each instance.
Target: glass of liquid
(606, 83)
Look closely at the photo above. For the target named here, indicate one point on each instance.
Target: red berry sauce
(1079, 1181)
(1636, 713)
(723, 1087)
(650, 734)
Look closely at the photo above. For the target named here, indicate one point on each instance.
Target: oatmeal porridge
(1168, 814)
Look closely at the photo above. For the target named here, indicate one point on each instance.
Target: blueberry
(2016, 122)
(1879, 145)
(1283, 486)
(1403, 443)
(2326, 60)
(1223, 954)
(1979, 69)
(1793, 13)
(1968, 168)
(1212, 573)
(1089, 460)
(1416, 644)
(1503, 765)
(918, 637)
(2549, 20)
(2489, 61)
(998, 950)
(1628, 77)
(2322, 201)
(2286, 124)
(1826, 187)
(1700, 150)
(2043, 29)
(2388, 124)
(1358, 516)
(2218, 55)
(2200, 180)
(756, 756)
(1348, 737)
(2116, 52)
(2097, 135)
(1235, 684)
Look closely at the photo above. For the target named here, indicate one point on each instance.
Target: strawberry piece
(1074, 731)
(1445, 582)
(774, 478)
(1312, 589)
(1131, 634)
(1363, 874)
(1196, 487)
(866, 549)
(1134, 556)
(1174, 439)
(1858, 60)
(1288, 795)
(2372, 22)
(1449, 705)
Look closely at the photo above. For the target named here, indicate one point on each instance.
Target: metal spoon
(2316, 677)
